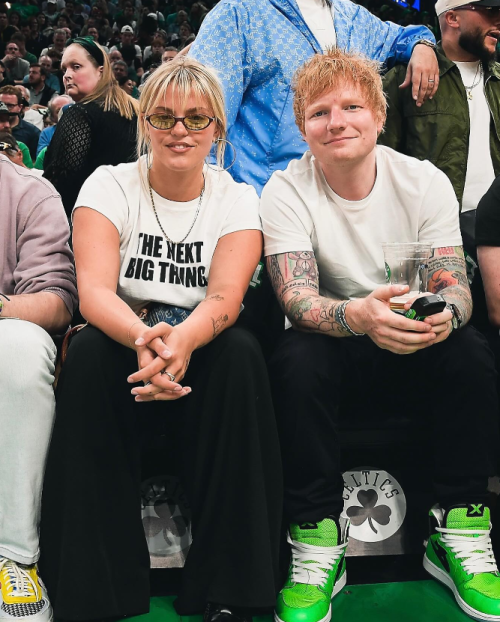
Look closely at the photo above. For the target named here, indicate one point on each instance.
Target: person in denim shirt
(257, 45)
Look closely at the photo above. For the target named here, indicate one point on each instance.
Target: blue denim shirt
(256, 46)
(45, 138)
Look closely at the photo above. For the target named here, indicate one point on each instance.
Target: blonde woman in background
(100, 129)
(181, 239)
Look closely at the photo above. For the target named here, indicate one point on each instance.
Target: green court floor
(415, 601)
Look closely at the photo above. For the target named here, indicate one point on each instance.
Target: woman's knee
(240, 347)
(90, 344)
(92, 354)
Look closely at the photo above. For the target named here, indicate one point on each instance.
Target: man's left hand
(441, 325)
(422, 74)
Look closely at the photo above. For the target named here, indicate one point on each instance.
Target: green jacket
(27, 161)
(39, 164)
(439, 130)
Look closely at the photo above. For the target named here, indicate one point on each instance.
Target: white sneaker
(23, 596)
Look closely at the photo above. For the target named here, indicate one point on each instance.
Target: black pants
(95, 560)
(454, 382)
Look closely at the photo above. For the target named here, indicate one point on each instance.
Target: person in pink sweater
(37, 299)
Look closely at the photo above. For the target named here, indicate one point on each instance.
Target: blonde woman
(99, 129)
(170, 234)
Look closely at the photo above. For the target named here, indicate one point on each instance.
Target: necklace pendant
(469, 94)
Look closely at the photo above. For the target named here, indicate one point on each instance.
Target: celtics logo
(375, 504)
(166, 521)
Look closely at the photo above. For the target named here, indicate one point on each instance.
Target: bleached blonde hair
(188, 77)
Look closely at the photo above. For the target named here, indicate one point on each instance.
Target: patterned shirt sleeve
(385, 41)
(220, 44)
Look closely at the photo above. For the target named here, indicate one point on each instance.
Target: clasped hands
(393, 331)
(160, 349)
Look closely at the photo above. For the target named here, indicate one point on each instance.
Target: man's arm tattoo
(295, 280)
(273, 269)
(290, 271)
(448, 276)
(315, 314)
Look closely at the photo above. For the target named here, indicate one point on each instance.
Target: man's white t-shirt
(151, 268)
(411, 201)
(319, 17)
(480, 173)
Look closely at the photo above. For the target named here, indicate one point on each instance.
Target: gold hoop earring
(235, 154)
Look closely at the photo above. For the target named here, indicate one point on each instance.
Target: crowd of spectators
(118, 106)
(139, 35)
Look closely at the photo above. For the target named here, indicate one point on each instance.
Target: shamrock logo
(369, 510)
(166, 516)
(173, 527)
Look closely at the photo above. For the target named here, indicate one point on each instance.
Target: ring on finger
(167, 373)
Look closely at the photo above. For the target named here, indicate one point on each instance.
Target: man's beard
(473, 42)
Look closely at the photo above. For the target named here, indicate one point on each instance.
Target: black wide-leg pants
(95, 560)
(451, 385)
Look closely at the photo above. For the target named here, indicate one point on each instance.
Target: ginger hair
(334, 70)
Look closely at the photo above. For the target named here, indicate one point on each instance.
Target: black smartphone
(425, 306)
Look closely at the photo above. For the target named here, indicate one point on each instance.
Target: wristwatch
(456, 320)
(426, 42)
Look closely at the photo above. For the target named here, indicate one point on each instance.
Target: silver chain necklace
(195, 216)
(468, 89)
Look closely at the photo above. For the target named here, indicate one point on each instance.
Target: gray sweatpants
(27, 408)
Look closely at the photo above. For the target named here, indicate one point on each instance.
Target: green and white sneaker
(459, 554)
(317, 571)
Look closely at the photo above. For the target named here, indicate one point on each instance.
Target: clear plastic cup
(406, 263)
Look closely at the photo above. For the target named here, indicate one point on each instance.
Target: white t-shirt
(35, 118)
(411, 201)
(319, 17)
(480, 173)
(151, 268)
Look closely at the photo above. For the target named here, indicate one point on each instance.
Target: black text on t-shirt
(176, 266)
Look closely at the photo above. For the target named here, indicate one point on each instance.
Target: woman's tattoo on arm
(219, 324)
(214, 298)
